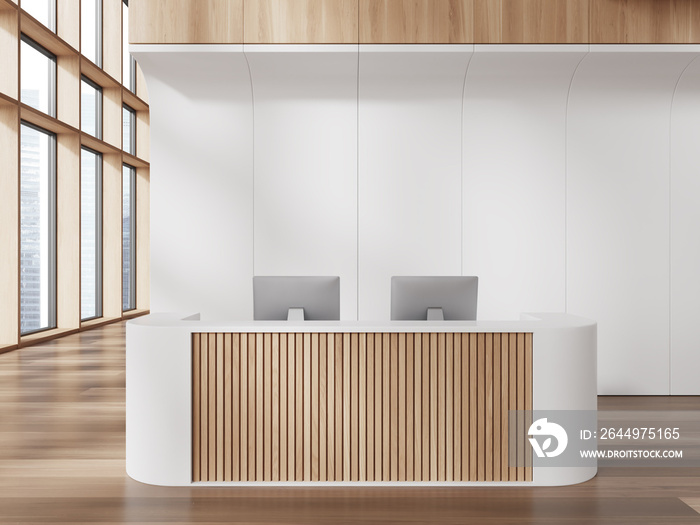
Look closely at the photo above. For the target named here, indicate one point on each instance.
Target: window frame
(132, 130)
(53, 89)
(132, 81)
(99, 233)
(53, 221)
(99, 34)
(132, 237)
(98, 108)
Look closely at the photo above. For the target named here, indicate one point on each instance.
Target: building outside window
(38, 77)
(37, 229)
(90, 234)
(90, 107)
(128, 237)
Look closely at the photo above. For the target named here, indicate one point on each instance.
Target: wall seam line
(357, 182)
(670, 177)
(566, 183)
(252, 104)
(461, 165)
(357, 186)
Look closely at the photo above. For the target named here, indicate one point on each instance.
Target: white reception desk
(214, 403)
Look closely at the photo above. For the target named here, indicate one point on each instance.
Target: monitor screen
(318, 296)
(411, 297)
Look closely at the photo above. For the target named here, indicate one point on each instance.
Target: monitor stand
(295, 314)
(435, 314)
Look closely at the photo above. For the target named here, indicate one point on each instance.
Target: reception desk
(211, 403)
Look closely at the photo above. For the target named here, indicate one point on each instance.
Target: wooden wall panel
(112, 235)
(68, 21)
(112, 39)
(141, 87)
(544, 21)
(644, 21)
(112, 116)
(377, 412)
(67, 224)
(425, 406)
(143, 135)
(9, 218)
(416, 21)
(186, 21)
(283, 379)
(68, 90)
(9, 52)
(322, 407)
(359, 407)
(487, 21)
(694, 24)
(301, 21)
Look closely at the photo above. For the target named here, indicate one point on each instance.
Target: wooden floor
(62, 461)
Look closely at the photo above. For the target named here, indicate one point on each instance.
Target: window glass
(128, 62)
(90, 234)
(37, 230)
(128, 238)
(43, 10)
(90, 108)
(38, 77)
(129, 128)
(91, 30)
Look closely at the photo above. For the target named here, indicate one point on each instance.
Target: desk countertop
(529, 322)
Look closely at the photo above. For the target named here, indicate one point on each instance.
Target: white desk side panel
(564, 374)
(618, 212)
(159, 404)
(305, 113)
(685, 234)
(201, 180)
(409, 167)
(515, 177)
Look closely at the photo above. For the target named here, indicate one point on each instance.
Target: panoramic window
(90, 234)
(60, 246)
(38, 77)
(129, 128)
(91, 30)
(128, 62)
(37, 229)
(128, 237)
(90, 107)
(43, 10)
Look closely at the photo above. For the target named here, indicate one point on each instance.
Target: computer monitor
(433, 298)
(281, 298)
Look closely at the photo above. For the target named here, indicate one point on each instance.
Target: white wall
(565, 177)
(515, 176)
(685, 233)
(201, 179)
(410, 171)
(618, 211)
(305, 129)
